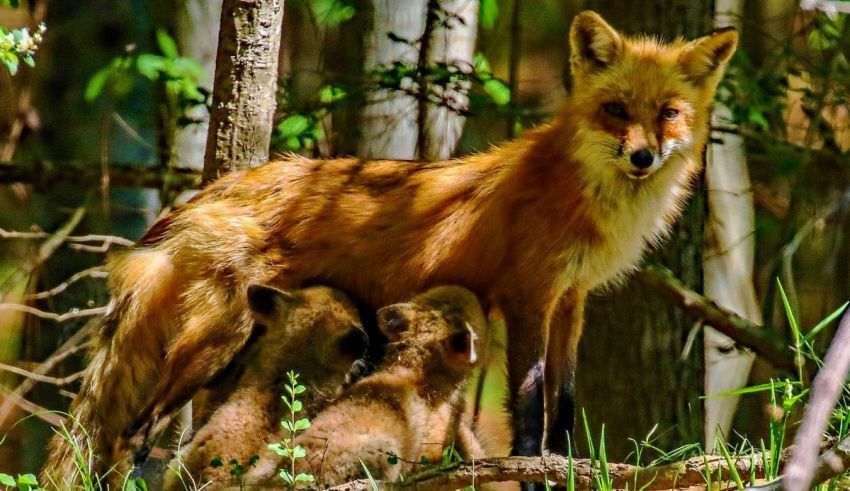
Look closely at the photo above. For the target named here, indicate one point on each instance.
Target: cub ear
(706, 57)
(267, 300)
(394, 320)
(593, 43)
(463, 346)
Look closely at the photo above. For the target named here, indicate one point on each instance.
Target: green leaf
(498, 91)
(7, 480)
(795, 329)
(150, 65)
(392, 459)
(166, 44)
(286, 476)
(481, 65)
(302, 477)
(293, 125)
(488, 12)
(299, 389)
(28, 59)
(29, 479)
(302, 424)
(330, 94)
(11, 62)
(827, 321)
(332, 12)
(298, 452)
(96, 83)
(296, 406)
(292, 143)
(216, 462)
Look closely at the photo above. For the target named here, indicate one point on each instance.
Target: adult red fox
(530, 226)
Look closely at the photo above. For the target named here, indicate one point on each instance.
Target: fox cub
(531, 226)
(405, 408)
(315, 332)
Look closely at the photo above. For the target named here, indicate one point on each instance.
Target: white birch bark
(728, 261)
(197, 38)
(389, 120)
(453, 44)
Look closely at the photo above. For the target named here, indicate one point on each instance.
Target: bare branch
(69, 347)
(94, 272)
(71, 314)
(73, 172)
(762, 341)
(555, 468)
(40, 378)
(31, 407)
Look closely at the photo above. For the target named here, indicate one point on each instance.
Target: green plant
(237, 469)
(24, 482)
(293, 425)
(19, 44)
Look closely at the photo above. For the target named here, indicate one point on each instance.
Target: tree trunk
(729, 258)
(389, 120)
(638, 366)
(197, 37)
(245, 86)
(452, 43)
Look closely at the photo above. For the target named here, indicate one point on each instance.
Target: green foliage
(18, 45)
(293, 425)
(24, 482)
(487, 13)
(178, 76)
(332, 12)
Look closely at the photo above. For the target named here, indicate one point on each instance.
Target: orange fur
(559, 210)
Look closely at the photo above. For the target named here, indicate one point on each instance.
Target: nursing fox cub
(530, 226)
(408, 408)
(315, 332)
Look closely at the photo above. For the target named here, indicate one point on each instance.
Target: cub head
(317, 327)
(444, 329)
(642, 102)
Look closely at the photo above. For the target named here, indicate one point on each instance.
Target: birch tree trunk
(453, 43)
(197, 37)
(245, 86)
(728, 260)
(408, 124)
(390, 118)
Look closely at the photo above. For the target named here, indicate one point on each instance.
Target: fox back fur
(530, 226)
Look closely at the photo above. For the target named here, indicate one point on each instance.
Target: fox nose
(642, 158)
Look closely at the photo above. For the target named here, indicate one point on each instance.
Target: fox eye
(669, 114)
(615, 109)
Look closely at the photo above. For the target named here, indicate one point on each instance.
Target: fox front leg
(561, 356)
(526, 343)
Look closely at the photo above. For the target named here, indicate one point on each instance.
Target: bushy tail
(123, 369)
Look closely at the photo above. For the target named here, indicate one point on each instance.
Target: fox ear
(394, 320)
(266, 301)
(463, 346)
(706, 57)
(593, 43)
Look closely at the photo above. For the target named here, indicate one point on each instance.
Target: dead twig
(69, 347)
(763, 342)
(53, 316)
(41, 378)
(557, 469)
(94, 272)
